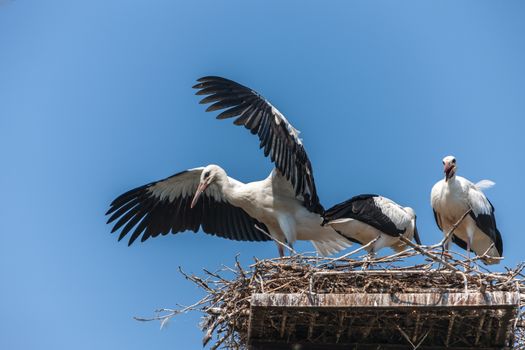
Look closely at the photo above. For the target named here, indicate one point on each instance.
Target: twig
(451, 231)
(276, 240)
(424, 252)
(351, 253)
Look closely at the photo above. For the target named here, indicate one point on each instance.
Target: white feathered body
(273, 202)
(404, 219)
(451, 199)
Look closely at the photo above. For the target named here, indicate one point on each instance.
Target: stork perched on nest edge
(369, 217)
(452, 197)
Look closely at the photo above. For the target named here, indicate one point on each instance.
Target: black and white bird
(451, 198)
(285, 204)
(366, 217)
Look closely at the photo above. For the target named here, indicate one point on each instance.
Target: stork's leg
(281, 250)
(368, 259)
(378, 245)
(470, 235)
(468, 254)
(444, 251)
(287, 226)
(372, 251)
(445, 246)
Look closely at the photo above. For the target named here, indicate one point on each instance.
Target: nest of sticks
(231, 320)
(227, 303)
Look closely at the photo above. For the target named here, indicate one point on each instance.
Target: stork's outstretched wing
(163, 206)
(277, 136)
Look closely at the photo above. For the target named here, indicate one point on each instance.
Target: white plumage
(451, 198)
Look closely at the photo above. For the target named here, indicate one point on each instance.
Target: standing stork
(451, 198)
(285, 204)
(369, 217)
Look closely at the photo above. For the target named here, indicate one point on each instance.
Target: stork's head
(209, 175)
(449, 167)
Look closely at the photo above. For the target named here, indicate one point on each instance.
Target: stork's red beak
(449, 170)
(202, 187)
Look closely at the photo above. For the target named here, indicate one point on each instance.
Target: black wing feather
(142, 212)
(416, 235)
(259, 116)
(363, 208)
(437, 220)
(487, 224)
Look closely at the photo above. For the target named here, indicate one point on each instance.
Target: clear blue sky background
(95, 99)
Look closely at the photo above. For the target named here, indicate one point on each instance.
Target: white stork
(367, 217)
(285, 204)
(451, 198)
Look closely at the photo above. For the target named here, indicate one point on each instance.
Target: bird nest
(408, 300)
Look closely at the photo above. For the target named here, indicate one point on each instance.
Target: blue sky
(95, 99)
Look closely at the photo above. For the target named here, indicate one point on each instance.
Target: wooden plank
(352, 346)
(375, 301)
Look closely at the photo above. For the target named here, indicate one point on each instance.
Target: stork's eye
(443, 162)
(206, 174)
(454, 161)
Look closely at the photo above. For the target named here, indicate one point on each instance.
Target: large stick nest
(226, 306)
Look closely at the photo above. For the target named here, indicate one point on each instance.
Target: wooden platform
(430, 320)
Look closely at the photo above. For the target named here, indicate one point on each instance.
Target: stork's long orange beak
(448, 170)
(202, 187)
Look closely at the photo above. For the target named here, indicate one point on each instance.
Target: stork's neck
(222, 181)
(228, 188)
(453, 184)
(452, 181)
